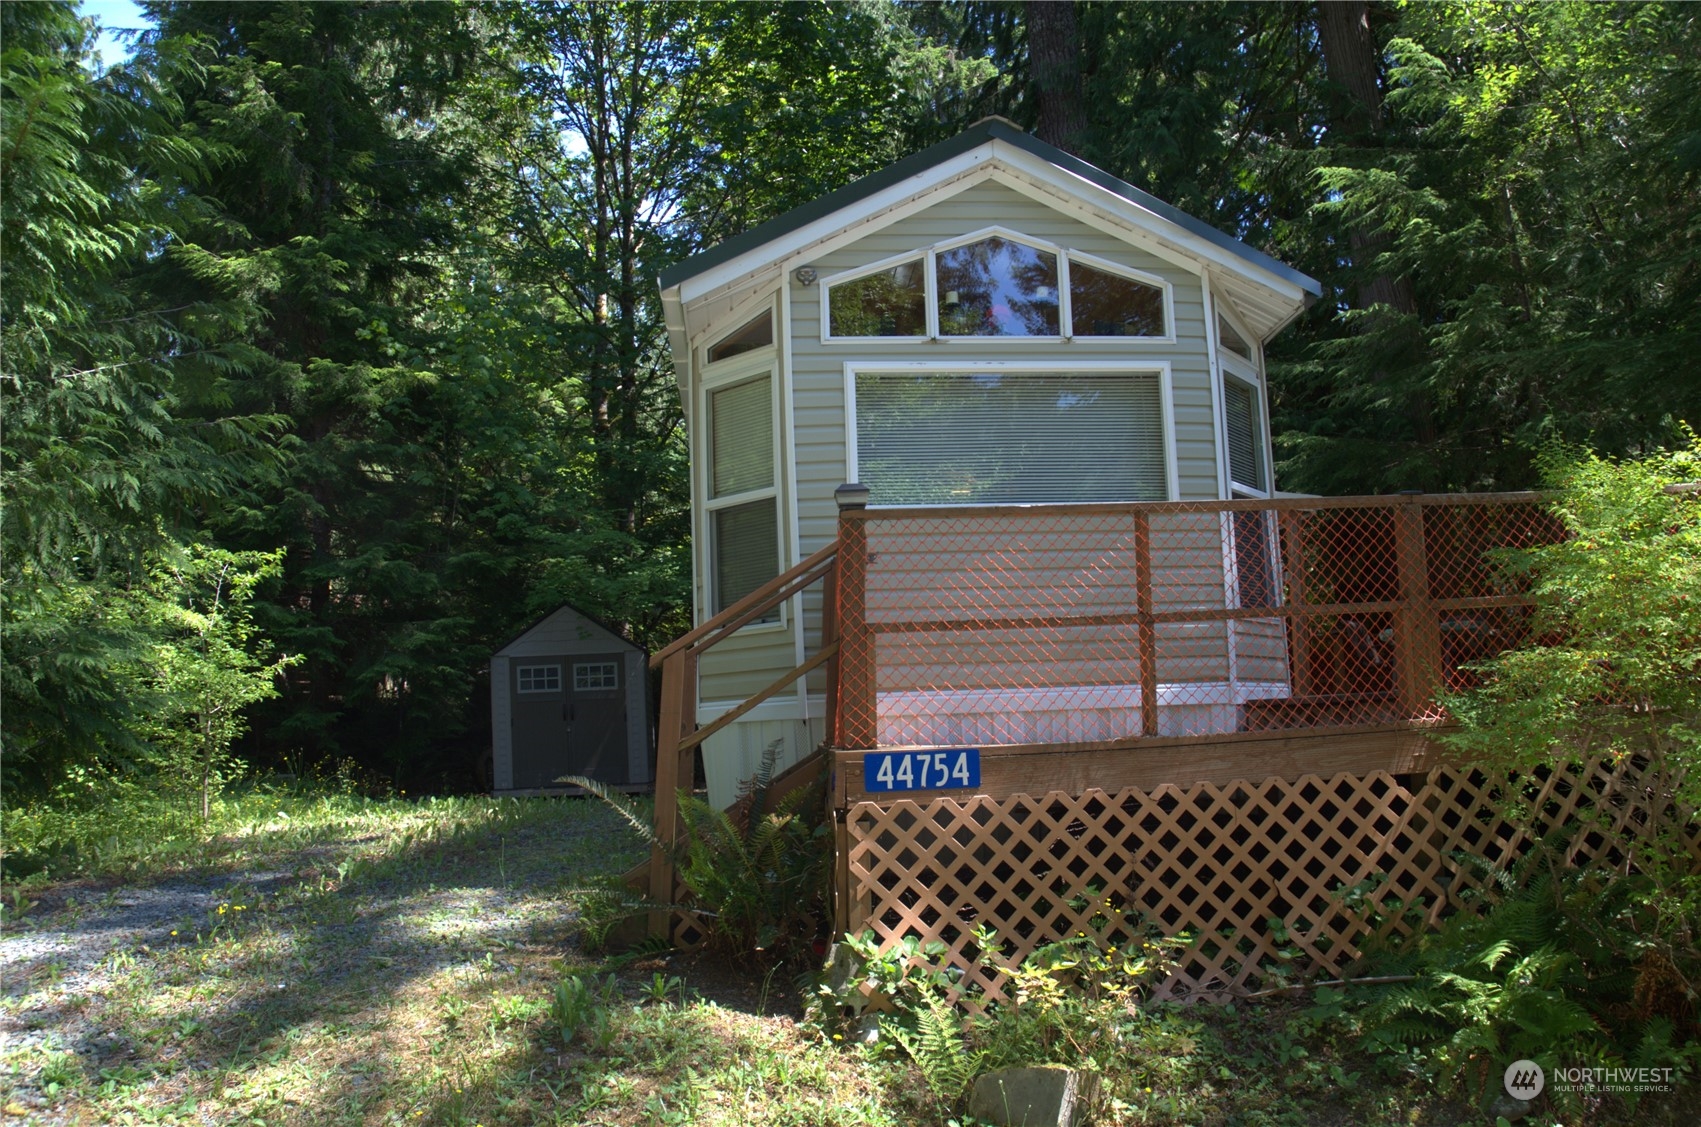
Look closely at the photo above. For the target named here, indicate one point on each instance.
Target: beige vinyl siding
(938, 570)
(817, 372)
(818, 368)
(1261, 651)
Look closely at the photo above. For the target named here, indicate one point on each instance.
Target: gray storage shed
(569, 696)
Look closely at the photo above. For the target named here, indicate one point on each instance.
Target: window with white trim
(743, 503)
(593, 676)
(884, 303)
(537, 678)
(1245, 435)
(756, 333)
(997, 287)
(1010, 437)
(995, 283)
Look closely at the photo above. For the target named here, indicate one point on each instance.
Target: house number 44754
(921, 770)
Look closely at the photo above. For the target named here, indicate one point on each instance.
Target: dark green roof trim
(971, 138)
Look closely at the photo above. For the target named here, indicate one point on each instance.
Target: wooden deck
(1235, 701)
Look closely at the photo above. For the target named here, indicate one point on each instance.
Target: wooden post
(1417, 635)
(1292, 532)
(668, 733)
(857, 725)
(829, 635)
(1144, 607)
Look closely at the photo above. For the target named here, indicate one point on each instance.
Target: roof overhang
(1266, 292)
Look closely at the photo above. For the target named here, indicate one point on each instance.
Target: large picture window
(743, 516)
(1010, 437)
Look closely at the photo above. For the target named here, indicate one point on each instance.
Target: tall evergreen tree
(100, 464)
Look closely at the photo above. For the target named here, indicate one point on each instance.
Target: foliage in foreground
(1598, 965)
(756, 877)
(415, 961)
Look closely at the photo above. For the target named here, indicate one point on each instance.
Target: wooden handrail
(827, 652)
(764, 598)
(1169, 508)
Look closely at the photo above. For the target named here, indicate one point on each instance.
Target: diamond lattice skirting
(1218, 862)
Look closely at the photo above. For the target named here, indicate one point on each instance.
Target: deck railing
(1071, 624)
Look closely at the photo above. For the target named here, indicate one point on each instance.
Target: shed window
(590, 676)
(1245, 434)
(887, 303)
(1102, 304)
(954, 438)
(538, 678)
(743, 503)
(997, 287)
(756, 333)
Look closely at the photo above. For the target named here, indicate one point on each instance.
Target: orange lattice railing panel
(1084, 623)
(1218, 862)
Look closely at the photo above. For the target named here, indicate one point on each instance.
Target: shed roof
(591, 619)
(982, 132)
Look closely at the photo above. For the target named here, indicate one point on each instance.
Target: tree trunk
(1354, 65)
(1054, 61)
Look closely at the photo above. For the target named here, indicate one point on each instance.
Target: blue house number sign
(955, 769)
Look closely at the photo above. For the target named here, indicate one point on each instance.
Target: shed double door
(569, 718)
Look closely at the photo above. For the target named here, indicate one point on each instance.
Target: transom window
(591, 676)
(756, 333)
(887, 303)
(1010, 437)
(538, 678)
(1001, 285)
(997, 288)
(1103, 304)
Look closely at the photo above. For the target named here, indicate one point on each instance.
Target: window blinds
(1246, 461)
(742, 437)
(747, 552)
(943, 438)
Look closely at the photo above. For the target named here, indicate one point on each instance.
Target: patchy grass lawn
(347, 961)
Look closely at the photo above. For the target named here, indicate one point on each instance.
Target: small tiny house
(985, 512)
(990, 322)
(569, 696)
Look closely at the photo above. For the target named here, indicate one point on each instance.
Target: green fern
(938, 1048)
(758, 885)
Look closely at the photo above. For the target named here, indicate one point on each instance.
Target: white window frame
(1105, 266)
(713, 377)
(924, 256)
(929, 256)
(1161, 369)
(602, 670)
(520, 678)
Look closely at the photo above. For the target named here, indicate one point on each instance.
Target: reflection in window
(951, 438)
(997, 288)
(758, 333)
(1108, 305)
(889, 303)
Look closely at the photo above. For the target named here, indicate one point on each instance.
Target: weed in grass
(663, 987)
(59, 1072)
(580, 1007)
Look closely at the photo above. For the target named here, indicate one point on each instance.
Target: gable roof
(982, 132)
(584, 616)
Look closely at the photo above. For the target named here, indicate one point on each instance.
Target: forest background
(331, 352)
